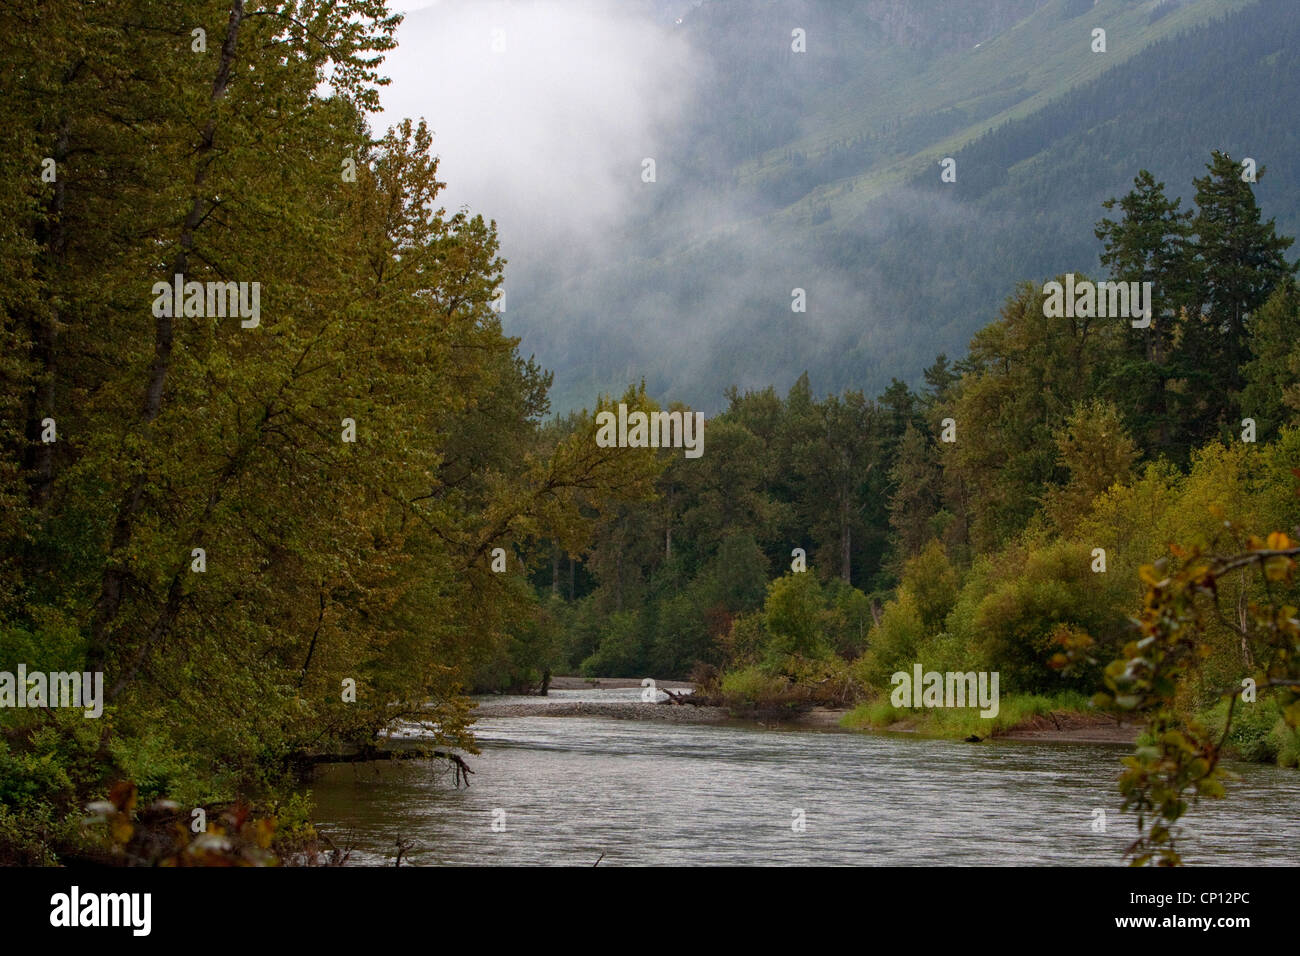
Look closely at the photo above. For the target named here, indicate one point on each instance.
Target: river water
(572, 790)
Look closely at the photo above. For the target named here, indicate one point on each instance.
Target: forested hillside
(959, 521)
(820, 171)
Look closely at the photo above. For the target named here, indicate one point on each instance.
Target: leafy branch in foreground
(1178, 757)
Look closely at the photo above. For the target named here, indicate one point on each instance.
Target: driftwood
(367, 754)
(680, 698)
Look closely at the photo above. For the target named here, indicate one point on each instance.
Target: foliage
(1014, 711)
(329, 555)
(1181, 758)
(793, 611)
(428, 557)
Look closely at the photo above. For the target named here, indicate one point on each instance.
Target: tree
(280, 505)
(1149, 244)
(933, 583)
(1026, 375)
(1095, 449)
(1271, 395)
(941, 378)
(1237, 262)
(837, 452)
(916, 478)
(793, 613)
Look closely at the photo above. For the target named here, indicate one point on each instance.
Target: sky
(542, 114)
(542, 111)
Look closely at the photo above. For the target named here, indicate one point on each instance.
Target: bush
(743, 644)
(790, 683)
(28, 779)
(1259, 734)
(157, 767)
(1016, 623)
(848, 620)
(681, 635)
(794, 616)
(933, 583)
(751, 687)
(893, 644)
(620, 653)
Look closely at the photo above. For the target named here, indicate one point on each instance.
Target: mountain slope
(820, 171)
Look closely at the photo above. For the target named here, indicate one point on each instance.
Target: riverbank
(1065, 717)
(1040, 720)
(614, 683)
(618, 698)
(616, 709)
(1064, 727)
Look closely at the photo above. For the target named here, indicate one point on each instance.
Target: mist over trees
(961, 519)
(821, 171)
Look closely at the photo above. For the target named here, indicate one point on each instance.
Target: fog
(542, 111)
(542, 114)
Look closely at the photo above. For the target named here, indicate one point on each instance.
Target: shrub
(751, 687)
(794, 616)
(743, 644)
(620, 653)
(847, 619)
(933, 583)
(1016, 624)
(893, 643)
(1259, 734)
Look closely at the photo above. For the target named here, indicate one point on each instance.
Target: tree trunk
(40, 455)
(1243, 625)
(846, 540)
(110, 595)
(618, 582)
(368, 753)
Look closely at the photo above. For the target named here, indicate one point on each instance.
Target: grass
(960, 722)
(1259, 734)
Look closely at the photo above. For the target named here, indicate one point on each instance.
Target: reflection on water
(650, 792)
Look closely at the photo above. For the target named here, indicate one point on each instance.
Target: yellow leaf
(1277, 568)
(263, 831)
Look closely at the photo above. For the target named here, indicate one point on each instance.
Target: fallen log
(368, 754)
(680, 698)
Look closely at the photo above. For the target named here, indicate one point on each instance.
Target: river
(572, 790)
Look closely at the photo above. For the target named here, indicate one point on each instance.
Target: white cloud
(547, 135)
